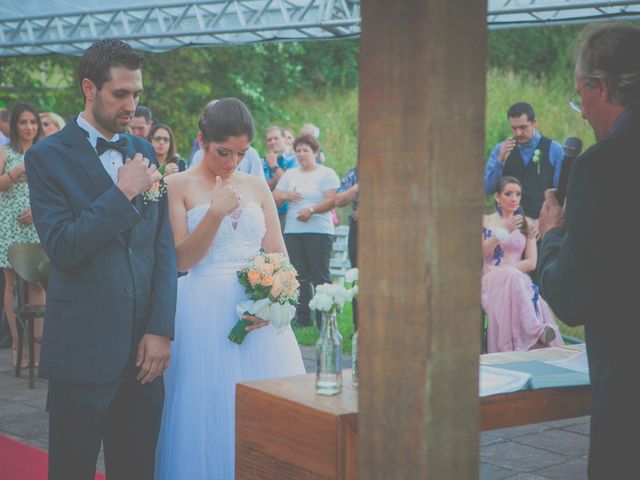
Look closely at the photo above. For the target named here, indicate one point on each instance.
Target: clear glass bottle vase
(329, 356)
(355, 381)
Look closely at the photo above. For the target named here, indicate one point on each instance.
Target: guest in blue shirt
(530, 157)
(276, 162)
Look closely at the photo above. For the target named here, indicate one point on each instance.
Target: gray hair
(610, 53)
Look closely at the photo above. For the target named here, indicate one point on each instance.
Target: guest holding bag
(16, 222)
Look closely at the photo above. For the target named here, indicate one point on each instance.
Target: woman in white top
(308, 234)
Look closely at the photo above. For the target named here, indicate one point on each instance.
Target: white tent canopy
(40, 27)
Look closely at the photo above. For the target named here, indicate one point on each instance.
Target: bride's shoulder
(178, 179)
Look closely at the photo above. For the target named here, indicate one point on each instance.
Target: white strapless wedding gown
(197, 437)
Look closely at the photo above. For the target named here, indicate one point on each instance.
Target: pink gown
(516, 311)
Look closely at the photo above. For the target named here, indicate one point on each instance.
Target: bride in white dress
(220, 217)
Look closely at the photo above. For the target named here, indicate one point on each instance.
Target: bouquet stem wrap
(278, 315)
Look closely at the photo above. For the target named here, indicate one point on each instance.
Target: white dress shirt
(111, 159)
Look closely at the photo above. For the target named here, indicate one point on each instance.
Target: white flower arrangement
(331, 297)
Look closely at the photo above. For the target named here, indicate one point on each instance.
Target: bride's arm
(273, 241)
(190, 247)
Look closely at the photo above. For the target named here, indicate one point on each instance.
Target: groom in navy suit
(112, 279)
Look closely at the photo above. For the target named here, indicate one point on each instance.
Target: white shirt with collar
(111, 159)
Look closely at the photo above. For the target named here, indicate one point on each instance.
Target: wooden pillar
(422, 88)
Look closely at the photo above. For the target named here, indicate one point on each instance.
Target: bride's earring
(498, 208)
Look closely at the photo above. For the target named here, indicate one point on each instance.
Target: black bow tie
(121, 145)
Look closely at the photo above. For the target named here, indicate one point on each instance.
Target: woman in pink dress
(519, 319)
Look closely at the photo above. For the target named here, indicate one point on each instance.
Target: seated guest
(51, 123)
(161, 138)
(308, 232)
(519, 318)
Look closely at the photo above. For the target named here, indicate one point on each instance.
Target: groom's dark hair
(225, 118)
(97, 60)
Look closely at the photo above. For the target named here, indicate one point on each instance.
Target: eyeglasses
(161, 139)
(576, 103)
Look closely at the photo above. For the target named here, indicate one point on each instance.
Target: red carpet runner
(22, 462)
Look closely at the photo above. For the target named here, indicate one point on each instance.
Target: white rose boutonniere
(536, 159)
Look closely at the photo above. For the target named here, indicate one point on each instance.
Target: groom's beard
(107, 123)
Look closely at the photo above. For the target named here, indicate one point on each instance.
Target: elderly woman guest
(519, 318)
(164, 144)
(308, 234)
(16, 224)
(51, 123)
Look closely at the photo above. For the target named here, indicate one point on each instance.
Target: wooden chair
(29, 262)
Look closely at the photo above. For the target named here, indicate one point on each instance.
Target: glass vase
(329, 356)
(354, 360)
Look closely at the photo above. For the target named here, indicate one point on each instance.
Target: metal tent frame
(40, 27)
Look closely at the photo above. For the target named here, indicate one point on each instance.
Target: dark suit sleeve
(68, 241)
(165, 272)
(565, 256)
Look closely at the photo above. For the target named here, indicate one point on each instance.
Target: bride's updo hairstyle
(224, 118)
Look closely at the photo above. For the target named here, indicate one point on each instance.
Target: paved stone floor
(554, 450)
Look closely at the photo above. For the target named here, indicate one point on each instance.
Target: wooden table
(285, 431)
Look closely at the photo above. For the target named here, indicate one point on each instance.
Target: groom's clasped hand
(137, 176)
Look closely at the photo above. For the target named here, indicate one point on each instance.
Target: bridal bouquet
(271, 281)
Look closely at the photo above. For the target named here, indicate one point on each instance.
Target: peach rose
(267, 280)
(291, 274)
(254, 277)
(276, 289)
(257, 260)
(274, 260)
(267, 268)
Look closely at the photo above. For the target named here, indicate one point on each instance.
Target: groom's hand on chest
(137, 176)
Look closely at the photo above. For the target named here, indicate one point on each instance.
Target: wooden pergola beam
(422, 89)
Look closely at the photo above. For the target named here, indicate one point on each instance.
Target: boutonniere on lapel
(536, 159)
(155, 193)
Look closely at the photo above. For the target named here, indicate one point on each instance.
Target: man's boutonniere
(155, 193)
(536, 159)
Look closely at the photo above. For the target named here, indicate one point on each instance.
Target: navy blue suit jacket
(113, 270)
(588, 273)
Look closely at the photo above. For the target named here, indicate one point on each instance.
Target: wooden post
(422, 87)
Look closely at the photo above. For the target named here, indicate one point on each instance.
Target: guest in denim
(348, 193)
(275, 163)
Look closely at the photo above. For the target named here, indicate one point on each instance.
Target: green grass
(309, 335)
(573, 332)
